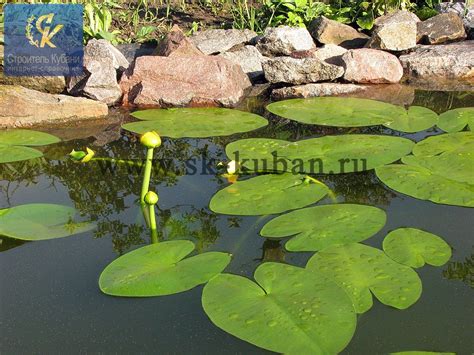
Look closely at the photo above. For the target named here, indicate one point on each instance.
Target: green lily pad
(26, 137)
(267, 194)
(11, 153)
(195, 122)
(413, 247)
(416, 352)
(363, 271)
(160, 269)
(40, 221)
(13, 142)
(421, 183)
(457, 119)
(316, 228)
(445, 143)
(287, 310)
(354, 112)
(328, 155)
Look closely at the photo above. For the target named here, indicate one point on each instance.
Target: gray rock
(328, 31)
(49, 84)
(285, 40)
(450, 61)
(371, 66)
(441, 28)
(249, 58)
(315, 90)
(33, 107)
(463, 11)
(218, 40)
(330, 53)
(102, 64)
(395, 32)
(300, 71)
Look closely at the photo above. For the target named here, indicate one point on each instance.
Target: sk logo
(43, 27)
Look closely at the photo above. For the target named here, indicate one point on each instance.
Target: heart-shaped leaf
(445, 143)
(415, 119)
(316, 228)
(267, 194)
(361, 269)
(414, 247)
(288, 310)
(160, 269)
(457, 119)
(195, 122)
(26, 137)
(329, 154)
(40, 221)
(12, 153)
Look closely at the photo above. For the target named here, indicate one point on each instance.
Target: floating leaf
(415, 352)
(160, 269)
(329, 154)
(12, 144)
(414, 247)
(287, 310)
(11, 153)
(361, 269)
(457, 119)
(354, 112)
(267, 194)
(26, 137)
(195, 122)
(445, 143)
(421, 183)
(40, 221)
(316, 228)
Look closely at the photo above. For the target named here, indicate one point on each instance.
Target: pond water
(50, 299)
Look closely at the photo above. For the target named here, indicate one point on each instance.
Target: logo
(45, 32)
(43, 40)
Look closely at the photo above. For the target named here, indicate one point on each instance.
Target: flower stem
(146, 174)
(154, 232)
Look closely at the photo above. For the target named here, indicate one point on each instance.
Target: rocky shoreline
(220, 67)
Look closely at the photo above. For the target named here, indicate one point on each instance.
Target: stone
(22, 107)
(300, 71)
(327, 31)
(395, 32)
(396, 94)
(315, 90)
(176, 43)
(184, 81)
(249, 58)
(217, 41)
(466, 12)
(441, 28)
(371, 66)
(284, 40)
(102, 63)
(449, 61)
(330, 53)
(133, 50)
(49, 84)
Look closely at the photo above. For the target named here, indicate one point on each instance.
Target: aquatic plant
(456, 120)
(150, 140)
(195, 122)
(15, 144)
(316, 228)
(354, 112)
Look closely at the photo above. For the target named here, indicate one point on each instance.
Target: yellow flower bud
(90, 154)
(151, 139)
(151, 198)
(232, 167)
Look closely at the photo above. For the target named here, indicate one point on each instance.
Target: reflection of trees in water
(441, 101)
(461, 270)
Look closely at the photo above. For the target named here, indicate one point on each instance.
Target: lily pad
(456, 120)
(160, 269)
(445, 143)
(13, 142)
(354, 112)
(414, 247)
(267, 194)
(363, 271)
(287, 310)
(421, 183)
(417, 352)
(316, 228)
(329, 154)
(195, 122)
(40, 221)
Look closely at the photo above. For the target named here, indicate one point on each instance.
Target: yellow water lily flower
(151, 139)
(90, 154)
(151, 198)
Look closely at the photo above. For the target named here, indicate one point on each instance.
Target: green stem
(154, 232)
(146, 174)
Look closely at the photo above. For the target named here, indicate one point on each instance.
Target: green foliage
(98, 21)
(195, 122)
(457, 119)
(362, 271)
(267, 194)
(160, 269)
(316, 228)
(287, 310)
